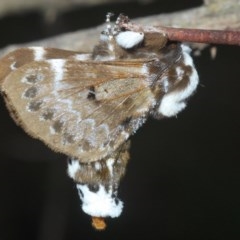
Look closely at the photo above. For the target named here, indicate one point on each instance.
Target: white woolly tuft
(129, 39)
(173, 102)
(100, 203)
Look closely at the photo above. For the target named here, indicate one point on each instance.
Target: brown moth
(87, 105)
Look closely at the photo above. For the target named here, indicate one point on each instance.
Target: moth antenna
(119, 22)
(108, 21)
(113, 29)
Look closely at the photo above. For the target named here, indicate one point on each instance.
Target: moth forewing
(22, 56)
(81, 109)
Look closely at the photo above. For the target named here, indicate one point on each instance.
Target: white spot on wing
(129, 39)
(97, 166)
(145, 69)
(73, 167)
(82, 57)
(125, 135)
(57, 66)
(12, 66)
(39, 53)
(52, 131)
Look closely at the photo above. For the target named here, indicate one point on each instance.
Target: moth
(87, 105)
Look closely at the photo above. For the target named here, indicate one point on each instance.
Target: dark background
(183, 178)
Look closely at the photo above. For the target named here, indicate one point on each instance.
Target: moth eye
(57, 126)
(34, 106)
(30, 92)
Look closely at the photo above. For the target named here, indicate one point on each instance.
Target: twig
(203, 36)
(227, 37)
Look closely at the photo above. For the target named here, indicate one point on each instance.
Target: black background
(183, 178)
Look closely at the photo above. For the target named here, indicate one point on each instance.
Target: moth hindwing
(87, 105)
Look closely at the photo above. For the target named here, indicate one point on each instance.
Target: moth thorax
(155, 41)
(97, 183)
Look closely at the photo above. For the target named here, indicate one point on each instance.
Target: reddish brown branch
(228, 37)
(202, 36)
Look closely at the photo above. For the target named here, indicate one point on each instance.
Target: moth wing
(22, 56)
(83, 109)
